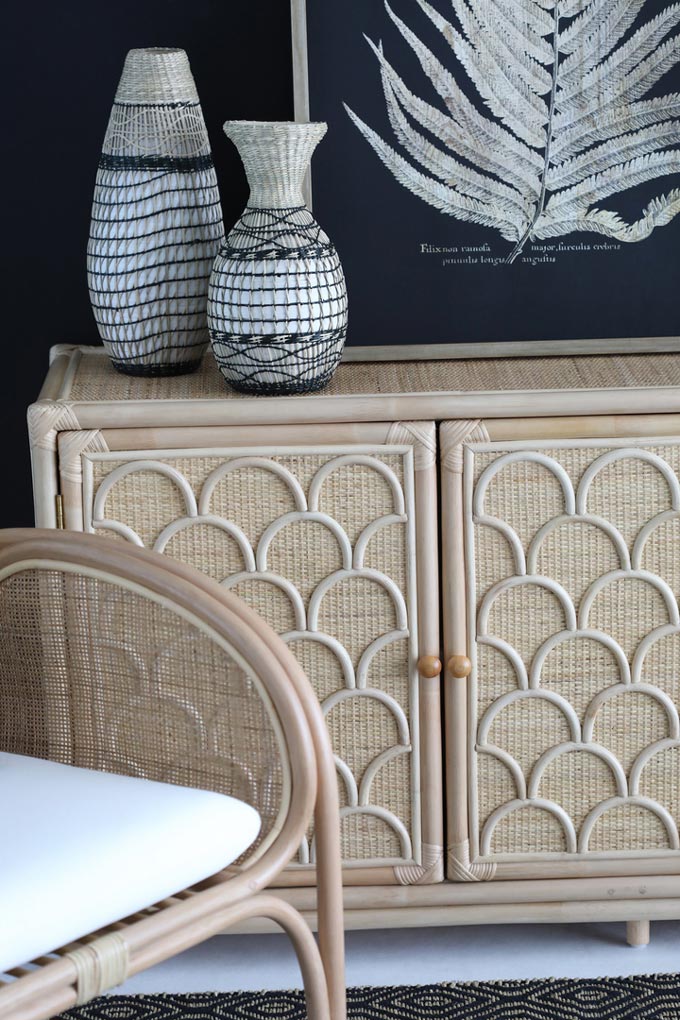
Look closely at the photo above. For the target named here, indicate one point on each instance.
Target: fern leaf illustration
(616, 179)
(615, 122)
(610, 154)
(524, 28)
(500, 86)
(465, 129)
(433, 192)
(648, 73)
(514, 63)
(570, 8)
(611, 84)
(563, 120)
(450, 170)
(658, 213)
(595, 32)
(625, 59)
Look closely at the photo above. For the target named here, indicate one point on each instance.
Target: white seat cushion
(79, 849)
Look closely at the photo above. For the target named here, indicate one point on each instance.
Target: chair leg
(332, 949)
(637, 933)
(304, 943)
(329, 888)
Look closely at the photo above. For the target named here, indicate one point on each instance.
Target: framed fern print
(499, 176)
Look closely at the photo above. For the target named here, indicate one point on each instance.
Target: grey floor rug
(652, 997)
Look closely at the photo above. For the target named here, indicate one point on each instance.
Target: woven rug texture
(649, 997)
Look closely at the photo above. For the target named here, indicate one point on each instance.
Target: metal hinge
(59, 507)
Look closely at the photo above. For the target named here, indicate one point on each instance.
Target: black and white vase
(156, 220)
(277, 306)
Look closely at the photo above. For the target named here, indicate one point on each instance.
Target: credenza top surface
(380, 390)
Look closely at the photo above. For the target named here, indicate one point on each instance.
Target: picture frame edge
(298, 24)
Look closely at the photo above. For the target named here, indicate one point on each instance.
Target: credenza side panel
(566, 733)
(330, 534)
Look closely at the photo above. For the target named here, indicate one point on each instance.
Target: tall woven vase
(156, 220)
(277, 307)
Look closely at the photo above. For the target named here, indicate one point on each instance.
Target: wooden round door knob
(429, 666)
(459, 666)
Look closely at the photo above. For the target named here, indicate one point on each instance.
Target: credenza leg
(637, 933)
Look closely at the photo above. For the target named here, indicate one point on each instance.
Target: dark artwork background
(61, 64)
(399, 295)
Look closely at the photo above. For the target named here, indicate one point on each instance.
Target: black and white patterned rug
(653, 997)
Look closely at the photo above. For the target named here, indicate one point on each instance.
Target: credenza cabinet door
(330, 534)
(561, 566)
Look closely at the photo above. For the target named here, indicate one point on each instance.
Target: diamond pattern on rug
(647, 997)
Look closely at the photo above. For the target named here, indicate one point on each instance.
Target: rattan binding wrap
(156, 220)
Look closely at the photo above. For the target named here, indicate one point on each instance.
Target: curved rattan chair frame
(59, 983)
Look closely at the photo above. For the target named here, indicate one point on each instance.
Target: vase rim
(157, 50)
(275, 124)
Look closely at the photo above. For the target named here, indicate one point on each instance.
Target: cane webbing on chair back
(101, 673)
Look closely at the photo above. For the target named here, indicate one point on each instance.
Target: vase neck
(156, 121)
(276, 157)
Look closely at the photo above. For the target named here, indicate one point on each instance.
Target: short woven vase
(277, 305)
(156, 220)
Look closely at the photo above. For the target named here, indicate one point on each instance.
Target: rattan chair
(119, 660)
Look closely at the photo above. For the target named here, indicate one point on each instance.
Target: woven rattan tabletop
(95, 379)
(381, 390)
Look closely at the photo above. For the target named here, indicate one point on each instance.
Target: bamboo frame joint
(59, 511)
(46, 419)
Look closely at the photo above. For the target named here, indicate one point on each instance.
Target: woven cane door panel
(320, 541)
(573, 567)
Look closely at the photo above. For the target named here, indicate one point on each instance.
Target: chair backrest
(114, 659)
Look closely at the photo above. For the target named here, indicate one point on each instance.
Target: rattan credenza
(533, 505)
